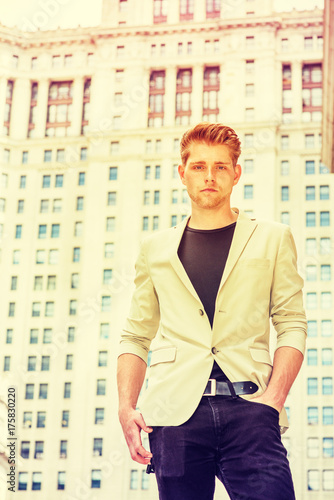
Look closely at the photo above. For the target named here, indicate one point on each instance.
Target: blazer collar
(244, 229)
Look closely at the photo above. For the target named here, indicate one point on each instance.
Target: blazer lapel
(242, 233)
(175, 261)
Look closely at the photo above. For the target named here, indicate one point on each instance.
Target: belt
(217, 388)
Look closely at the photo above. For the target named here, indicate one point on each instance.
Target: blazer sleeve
(143, 320)
(286, 300)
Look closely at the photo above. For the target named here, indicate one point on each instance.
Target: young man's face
(209, 175)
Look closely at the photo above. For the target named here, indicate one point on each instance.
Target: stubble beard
(207, 203)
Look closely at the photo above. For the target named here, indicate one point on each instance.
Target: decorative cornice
(46, 39)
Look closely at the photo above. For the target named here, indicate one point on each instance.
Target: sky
(29, 15)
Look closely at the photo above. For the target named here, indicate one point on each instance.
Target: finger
(141, 422)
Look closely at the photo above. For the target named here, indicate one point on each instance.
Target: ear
(181, 169)
(237, 174)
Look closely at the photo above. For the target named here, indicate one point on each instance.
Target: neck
(211, 218)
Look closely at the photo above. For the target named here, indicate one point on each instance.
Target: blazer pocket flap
(265, 263)
(260, 355)
(163, 355)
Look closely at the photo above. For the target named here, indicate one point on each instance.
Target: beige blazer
(260, 281)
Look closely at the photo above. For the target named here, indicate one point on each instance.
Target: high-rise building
(89, 151)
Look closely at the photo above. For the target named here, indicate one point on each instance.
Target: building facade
(91, 120)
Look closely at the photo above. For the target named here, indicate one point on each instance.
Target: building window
(103, 358)
(59, 113)
(326, 328)
(186, 10)
(328, 480)
(45, 363)
(36, 481)
(107, 276)
(32, 363)
(284, 142)
(327, 415)
(327, 357)
(71, 334)
(29, 391)
(96, 478)
(155, 223)
(97, 447)
(6, 363)
(65, 418)
(101, 387)
(63, 449)
(33, 336)
(25, 449)
(46, 181)
(73, 307)
(145, 224)
(55, 230)
(18, 231)
(309, 167)
(156, 99)
(324, 219)
(110, 224)
(213, 8)
(248, 192)
(285, 218)
(41, 418)
(109, 250)
(42, 231)
(311, 272)
(104, 330)
(312, 357)
(9, 336)
(313, 481)
(39, 449)
(284, 193)
(160, 9)
(25, 157)
(134, 479)
(324, 192)
(69, 362)
(106, 303)
(312, 447)
(312, 92)
(99, 415)
(312, 415)
(310, 219)
(312, 386)
(27, 419)
(43, 391)
(61, 480)
(310, 193)
(211, 87)
(67, 390)
(325, 272)
(327, 386)
(183, 97)
(309, 141)
(23, 481)
(47, 336)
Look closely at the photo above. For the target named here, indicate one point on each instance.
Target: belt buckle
(213, 387)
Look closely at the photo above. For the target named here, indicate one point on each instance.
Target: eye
(221, 167)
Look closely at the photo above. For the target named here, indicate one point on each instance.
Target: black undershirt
(203, 254)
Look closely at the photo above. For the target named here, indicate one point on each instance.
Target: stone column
(3, 87)
(296, 86)
(200, 10)
(42, 108)
(197, 93)
(77, 107)
(170, 93)
(20, 109)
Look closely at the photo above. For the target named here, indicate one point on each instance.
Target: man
(205, 292)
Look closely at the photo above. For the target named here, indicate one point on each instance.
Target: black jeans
(236, 440)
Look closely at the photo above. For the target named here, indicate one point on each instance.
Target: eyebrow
(204, 163)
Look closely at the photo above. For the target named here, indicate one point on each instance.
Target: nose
(210, 175)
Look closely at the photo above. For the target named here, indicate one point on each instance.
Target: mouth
(209, 190)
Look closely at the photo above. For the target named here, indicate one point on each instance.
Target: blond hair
(211, 133)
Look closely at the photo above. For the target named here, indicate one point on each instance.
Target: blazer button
(201, 312)
(213, 350)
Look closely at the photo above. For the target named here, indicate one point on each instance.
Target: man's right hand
(132, 423)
